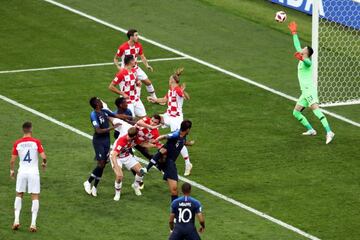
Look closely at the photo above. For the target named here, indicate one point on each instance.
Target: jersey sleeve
(307, 62)
(14, 150)
(179, 91)
(118, 78)
(94, 120)
(39, 146)
(108, 112)
(118, 147)
(198, 207)
(173, 135)
(120, 51)
(173, 207)
(297, 44)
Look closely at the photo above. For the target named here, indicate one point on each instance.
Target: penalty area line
(195, 184)
(84, 65)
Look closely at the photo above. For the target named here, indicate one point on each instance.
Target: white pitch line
(195, 184)
(342, 118)
(84, 65)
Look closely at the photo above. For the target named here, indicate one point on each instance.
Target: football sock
(322, 119)
(150, 89)
(138, 180)
(98, 171)
(34, 210)
(150, 164)
(133, 172)
(173, 197)
(302, 119)
(118, 186)
(185, 154)
(17, 208)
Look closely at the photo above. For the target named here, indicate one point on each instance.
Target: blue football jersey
(185, 210)
(101, 120)
(174, 144)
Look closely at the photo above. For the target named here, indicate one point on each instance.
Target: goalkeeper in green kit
(309, 96)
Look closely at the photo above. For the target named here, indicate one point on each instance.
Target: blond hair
(177, 73)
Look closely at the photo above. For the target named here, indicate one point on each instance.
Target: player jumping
(184, 209)
(309, 96)
(127, 79)
(174, 114)
(27, 149)
(134, 48)
(166, 156)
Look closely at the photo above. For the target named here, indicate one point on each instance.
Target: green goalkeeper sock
(322, 119)
(302, 119)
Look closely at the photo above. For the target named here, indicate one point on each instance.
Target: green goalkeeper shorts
(308, 98)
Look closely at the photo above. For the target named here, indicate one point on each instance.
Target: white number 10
(182, 214)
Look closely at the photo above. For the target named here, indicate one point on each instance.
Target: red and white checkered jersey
(146, 134)
(127, 83)
(28, 148)
(125, 49)
(123, 145)
(175, 98)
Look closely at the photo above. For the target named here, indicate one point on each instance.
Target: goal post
(336, 44)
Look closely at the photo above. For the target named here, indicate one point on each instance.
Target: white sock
(138, 89)
(118, 186)
(185, 154)
(34, 210)
(150, 89)
(17, 208)
(138, 180)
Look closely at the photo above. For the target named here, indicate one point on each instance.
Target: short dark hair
(185, 125)
(128, 59)
(186, 188)
(119, 101)
(157, 117)
(131, 33)
(93, 101)
(310, 50)
(27, 127)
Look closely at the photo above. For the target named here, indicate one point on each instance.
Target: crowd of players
(133, 131)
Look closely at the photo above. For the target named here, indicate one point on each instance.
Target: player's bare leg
(138, 178)
(173, 189)
(17, 210)
(317, 112)
(34, 211)
(302, 119)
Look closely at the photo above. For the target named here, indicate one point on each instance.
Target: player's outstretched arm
(293, 29)
(12, 166)
(141, 123)
(161, 137)
(189, 143)
(157, 100)
(201, 219)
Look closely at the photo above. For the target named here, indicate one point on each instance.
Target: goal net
(336, 42)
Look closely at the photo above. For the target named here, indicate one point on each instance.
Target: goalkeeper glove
(298, 56)
(293, 27)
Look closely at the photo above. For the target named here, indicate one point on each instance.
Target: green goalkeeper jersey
(304, 70)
